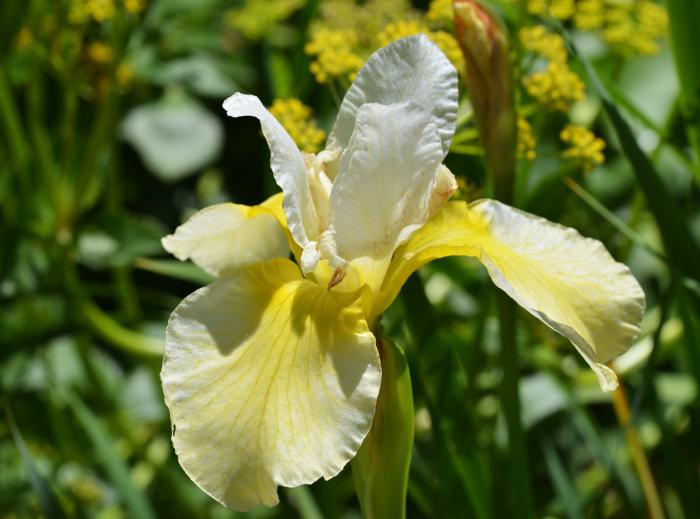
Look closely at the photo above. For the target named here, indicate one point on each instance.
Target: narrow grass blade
(48, 501)
(565, 488)
(303, 501)
(684, 18)
(115, 467)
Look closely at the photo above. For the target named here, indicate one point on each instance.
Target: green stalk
(520, 496)
(684, 18)
(380, 468)
(11, 125)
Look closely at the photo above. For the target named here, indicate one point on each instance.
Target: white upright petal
(224, 237)
(410, 69)
(287, 165)
(385, 180)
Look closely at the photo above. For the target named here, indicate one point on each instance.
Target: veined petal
(410, 69)
(270, 380)
(385, 180)
(225, 237)
(287, 165)
(569, 282)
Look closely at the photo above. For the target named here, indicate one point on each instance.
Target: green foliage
(112, 133)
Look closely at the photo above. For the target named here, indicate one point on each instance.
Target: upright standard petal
(410, 69)
(385, 180)
(569, 282)
(287, 165)
(224, 237)
(270, 380)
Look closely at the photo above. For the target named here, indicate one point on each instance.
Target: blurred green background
(112, 134)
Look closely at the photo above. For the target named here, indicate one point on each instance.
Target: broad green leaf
(174, 136)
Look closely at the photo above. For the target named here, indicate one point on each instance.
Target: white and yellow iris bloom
(271, 373)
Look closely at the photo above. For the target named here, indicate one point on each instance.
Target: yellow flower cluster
(400, 29)
(334, 54)
(583, 146)
(440, 11)
(633, 26)
(348, 31)
(443, 39)
(255, 17)
(538, 40)
(100, 10)
(560, 9)
(295, 117)
(526, 140)
(555, 87)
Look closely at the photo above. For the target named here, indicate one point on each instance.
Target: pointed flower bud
(491, 88)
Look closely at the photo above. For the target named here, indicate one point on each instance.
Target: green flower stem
(520, 495)
(12, 126)
(380, 468)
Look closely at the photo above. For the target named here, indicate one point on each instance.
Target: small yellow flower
(295, 117)
(24, 38)
(440, 11)
(124, 74)
(590, 14)
(100, 52)
(561, 9)
(540, 41)
(134, 6)
(334, 54)
(526, 140)
(255, 17)
(555, 87)
(583, 146)
(100, 10)
(400, 29)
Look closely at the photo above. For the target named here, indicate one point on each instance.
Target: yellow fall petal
(224, 237)
(270, 380)
(274, 205)
(569, 282)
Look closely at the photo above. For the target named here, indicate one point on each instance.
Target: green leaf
(380, 468)
(175, 269)
(116, 240)
(175, 136)
(684, 18)
(562, 483)
(680, 246)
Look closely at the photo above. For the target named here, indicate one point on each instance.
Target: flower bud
(491, 89)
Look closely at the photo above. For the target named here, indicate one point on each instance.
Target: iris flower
(271, 373)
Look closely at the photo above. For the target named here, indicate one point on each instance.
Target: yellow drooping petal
(270, 380)
(224, 237)
(569, 282)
